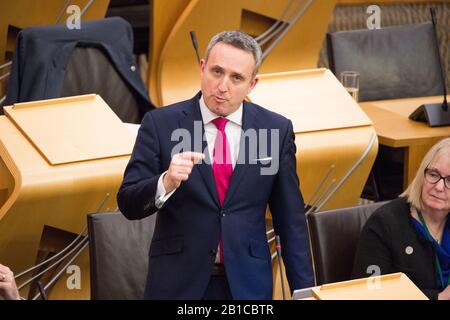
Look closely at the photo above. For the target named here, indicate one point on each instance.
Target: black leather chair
(334, 236)
(90, 70)
(393, 62)
(118, 250)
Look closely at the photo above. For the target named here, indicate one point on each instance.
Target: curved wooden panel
(318, 151)
(174, 73)
(330, 128)
(39, 194)
(164, 16)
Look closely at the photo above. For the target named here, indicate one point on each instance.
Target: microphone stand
(278, 247)
(435, 114)
(195, 45)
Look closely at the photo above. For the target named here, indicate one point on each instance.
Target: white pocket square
(264, 159)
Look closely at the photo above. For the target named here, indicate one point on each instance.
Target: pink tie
(222, 167)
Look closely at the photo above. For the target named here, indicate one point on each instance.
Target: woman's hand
(8, 287)
(445, 294)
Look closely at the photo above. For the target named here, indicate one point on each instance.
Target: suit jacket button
(223, 213)
(213, 252)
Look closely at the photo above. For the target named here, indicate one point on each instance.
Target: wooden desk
(395, 286)
(394, 129)
(59, 159)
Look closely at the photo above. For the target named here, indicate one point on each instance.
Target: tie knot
(220, 123)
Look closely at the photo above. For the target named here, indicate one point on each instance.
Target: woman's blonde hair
(414, 191)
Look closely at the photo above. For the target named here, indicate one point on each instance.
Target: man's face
(227, 78)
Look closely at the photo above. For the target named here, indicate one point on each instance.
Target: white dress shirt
(233, 132)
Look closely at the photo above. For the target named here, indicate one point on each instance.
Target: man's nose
(223, 84)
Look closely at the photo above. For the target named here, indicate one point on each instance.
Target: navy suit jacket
(189, 224)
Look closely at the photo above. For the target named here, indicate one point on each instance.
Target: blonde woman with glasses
(411, 234)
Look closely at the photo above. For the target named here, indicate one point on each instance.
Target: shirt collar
(208, 115)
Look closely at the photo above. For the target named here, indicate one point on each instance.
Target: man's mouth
(220, 99)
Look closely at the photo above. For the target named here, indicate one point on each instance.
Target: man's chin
(219, 108)
(221, 113)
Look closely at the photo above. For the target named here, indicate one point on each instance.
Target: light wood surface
(36, 193)
(57, 134)
(174, 73)
(164, 16)
(330, 130)
(396, 286)
(313, 99)
(394, 129)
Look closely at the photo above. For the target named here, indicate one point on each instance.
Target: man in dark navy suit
(210, 166)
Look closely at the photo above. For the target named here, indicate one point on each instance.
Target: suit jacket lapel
(248, 122)
(193, 122)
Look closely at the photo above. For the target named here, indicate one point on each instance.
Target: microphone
(278, 247)
(435, 114)
(195, 45)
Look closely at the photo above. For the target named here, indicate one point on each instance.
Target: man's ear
(253, 84)
(202, 65)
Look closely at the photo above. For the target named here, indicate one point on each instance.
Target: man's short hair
(240, 40)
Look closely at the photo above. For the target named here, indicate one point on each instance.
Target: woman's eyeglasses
(433, 176)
